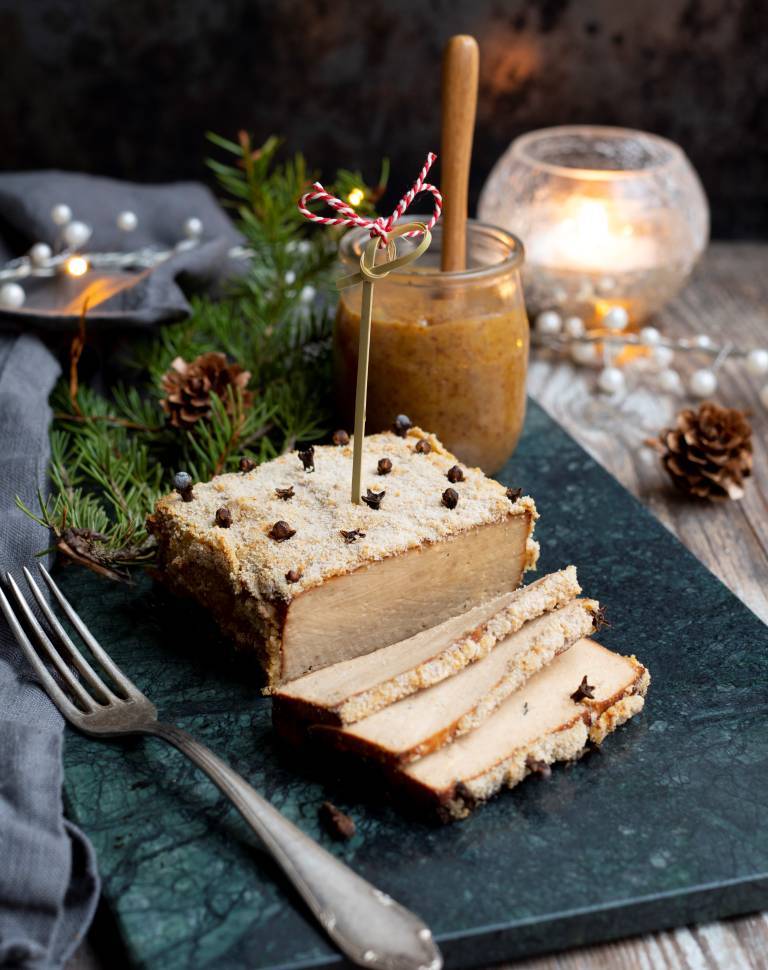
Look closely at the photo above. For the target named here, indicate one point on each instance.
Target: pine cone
(709, 452)
(189, 386)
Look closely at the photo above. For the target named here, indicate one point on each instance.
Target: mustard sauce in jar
(450, 350)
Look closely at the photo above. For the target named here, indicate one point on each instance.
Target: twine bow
(380, 227)
(383, 234)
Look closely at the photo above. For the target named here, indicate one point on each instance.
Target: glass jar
(609, 217)
(450, 350)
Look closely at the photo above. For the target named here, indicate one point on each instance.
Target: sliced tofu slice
(355, 689)
(540, 724)
(431, 718)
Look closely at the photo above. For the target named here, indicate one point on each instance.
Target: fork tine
(50, 686)
(88, 673)
(93, 645)
(48, 648)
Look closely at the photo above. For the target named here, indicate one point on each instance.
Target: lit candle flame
(76, 266)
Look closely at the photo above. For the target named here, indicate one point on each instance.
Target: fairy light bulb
(355, 197)
(76, 266)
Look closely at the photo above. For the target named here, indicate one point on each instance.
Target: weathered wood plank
(726, 299)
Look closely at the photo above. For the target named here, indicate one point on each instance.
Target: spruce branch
(114, 455)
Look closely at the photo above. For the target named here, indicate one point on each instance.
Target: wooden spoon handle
(460, 70)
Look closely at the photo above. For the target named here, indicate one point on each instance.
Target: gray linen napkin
(48, 879)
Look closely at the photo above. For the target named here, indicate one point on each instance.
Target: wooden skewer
(459, 97)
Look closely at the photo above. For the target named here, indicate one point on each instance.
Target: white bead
(670, 381)
(764, 396)
(61, 214)
(611, 380)
(304, 246)
(12, 296)
(76, 234)
(757, 362)
(703, 383)
(290, 277)
(606, 285)
(662, 357)
(703, 341)
(308, 294)
(548, 323)
(127, 221)
(574, 327)
(291, 246)
(40, 253)
(193, 228)
(649, 336)
(616, 318)
(584, 353)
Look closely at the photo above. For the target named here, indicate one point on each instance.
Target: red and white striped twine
(378, 227)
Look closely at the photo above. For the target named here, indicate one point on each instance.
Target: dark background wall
(128, 88)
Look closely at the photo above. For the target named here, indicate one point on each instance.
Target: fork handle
(369, 927)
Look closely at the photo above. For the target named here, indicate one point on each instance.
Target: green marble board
(665, 826)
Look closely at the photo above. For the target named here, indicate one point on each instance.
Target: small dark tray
(665, 826)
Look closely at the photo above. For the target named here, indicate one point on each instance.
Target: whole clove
(223, 517)
(336, 823)
(373, 499)
(307, 457)
(281, 531)
(450, 498)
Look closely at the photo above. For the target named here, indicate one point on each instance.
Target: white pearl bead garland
(616, 318)
(548, 323)
(76, 234)
(308, 294)
(290, 277)
(757, 362)
(12, 296)
(574, 327)
(61, 214)
(127, 221)
(670, 381)
(193, 228)
(611, 380)
(703, 341)
(703, 383)
(649, 336)
(40, 253)
(662, 357)
(584, 353)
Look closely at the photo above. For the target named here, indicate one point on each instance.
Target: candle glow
(76, 266)
(593, 235)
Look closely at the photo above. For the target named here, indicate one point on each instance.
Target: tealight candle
(609, 218)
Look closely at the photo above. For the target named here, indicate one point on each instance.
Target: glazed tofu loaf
(291, 569)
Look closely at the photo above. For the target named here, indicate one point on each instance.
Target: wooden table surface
(726, 299)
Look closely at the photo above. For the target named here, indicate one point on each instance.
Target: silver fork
(368, 926)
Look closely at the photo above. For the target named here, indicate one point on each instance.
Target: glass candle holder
(450, 350)
(609, 217)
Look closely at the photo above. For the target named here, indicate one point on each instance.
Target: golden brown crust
(241, 574)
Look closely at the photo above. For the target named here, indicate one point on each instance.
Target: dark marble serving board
(666, 825)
